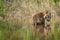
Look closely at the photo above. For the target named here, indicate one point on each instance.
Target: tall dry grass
(17, 24)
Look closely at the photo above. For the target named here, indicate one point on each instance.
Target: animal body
(39, 22)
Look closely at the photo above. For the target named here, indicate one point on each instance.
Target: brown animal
(39, 23)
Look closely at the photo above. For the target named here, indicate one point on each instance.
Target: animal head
(47, 16)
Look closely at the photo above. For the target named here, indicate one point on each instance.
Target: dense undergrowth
(18, 26)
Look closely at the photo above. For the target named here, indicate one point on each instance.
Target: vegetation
(18, 23)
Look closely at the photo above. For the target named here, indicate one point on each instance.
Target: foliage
(2, 9)
(13, 30)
